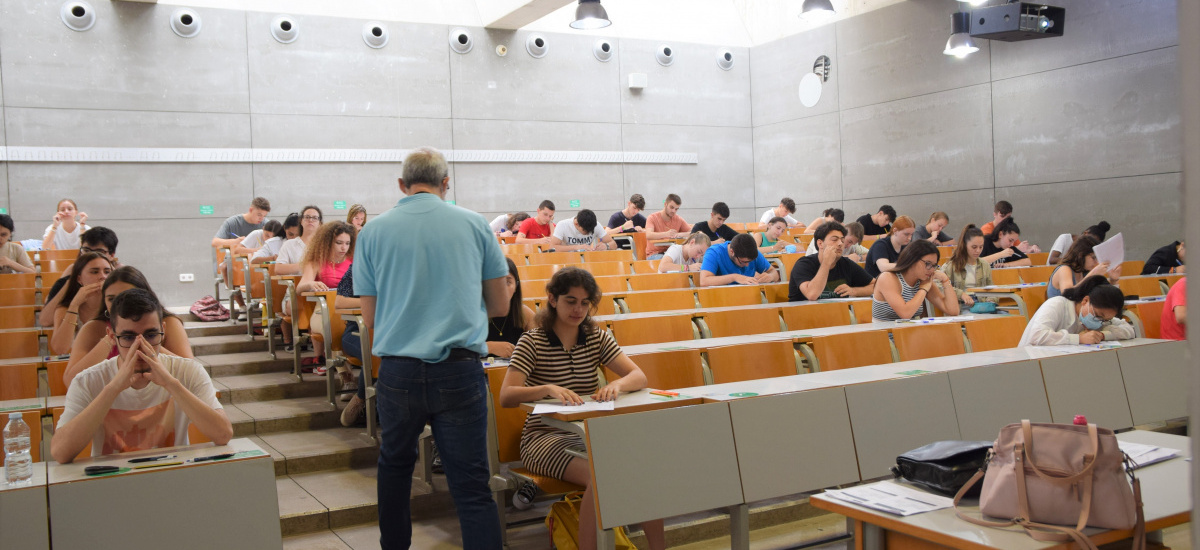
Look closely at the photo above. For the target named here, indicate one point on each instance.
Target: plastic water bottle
(18, 463)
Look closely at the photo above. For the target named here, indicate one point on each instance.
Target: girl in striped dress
(559, 359)
(900, 292)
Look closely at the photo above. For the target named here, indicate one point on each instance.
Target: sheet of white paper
(891, 497)
(587, 406)
(1112, 251)
(1145, 455)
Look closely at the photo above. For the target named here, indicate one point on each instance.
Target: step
(248, 388)
(343, 497)
(316, 450)
(249, 362)
(200, 328)
(289, 415)
(227, 343)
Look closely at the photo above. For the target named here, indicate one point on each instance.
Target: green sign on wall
(574, 204)
(3, 210)
(450, 202)
(206, 209)
(339, 205)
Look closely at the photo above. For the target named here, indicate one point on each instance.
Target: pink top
(331, 274)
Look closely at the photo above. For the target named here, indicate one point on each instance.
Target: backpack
(209, 309)
(563, 523)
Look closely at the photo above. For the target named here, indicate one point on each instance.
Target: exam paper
(930, 320)
(1145, 455)
(891, 497)
(1112, 251)
(587, 406)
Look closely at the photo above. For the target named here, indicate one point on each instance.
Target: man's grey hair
(424, 165)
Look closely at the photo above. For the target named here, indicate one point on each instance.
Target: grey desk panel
(229, 505)
(24, 521)
(989, 398)
(895, 416)
(1156, 381)
(663, 463)
(1089, 384)
(793, 443)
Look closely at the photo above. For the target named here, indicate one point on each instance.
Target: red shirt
(1177, 296)
(534, 230)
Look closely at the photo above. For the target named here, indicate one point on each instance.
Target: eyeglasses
(152, 337)
(929, 264)
(312, 218)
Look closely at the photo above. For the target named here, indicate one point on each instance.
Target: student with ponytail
(1087, 313)
(965, 269)
(1000, 247)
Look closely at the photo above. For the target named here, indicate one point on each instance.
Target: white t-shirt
(570, 236)
(254, 239)
(499, 224)
(770, 213)
(292, 252)
(675, 253)
(852, 249)
(1061, 244)
(139, 419)
(269, 249)
(64, 240)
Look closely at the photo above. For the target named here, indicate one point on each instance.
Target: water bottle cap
(16, 416)
(1080, 420)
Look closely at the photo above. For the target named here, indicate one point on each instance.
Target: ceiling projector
(1017, 21)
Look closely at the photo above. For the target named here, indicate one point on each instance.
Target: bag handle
(1089, 460)
(1037, 531)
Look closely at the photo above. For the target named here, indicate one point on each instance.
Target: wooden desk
(24, 519)
(230, 503)
(702, 310)
(1165, 494)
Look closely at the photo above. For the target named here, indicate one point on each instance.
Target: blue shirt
(425, 262)
(718, 262)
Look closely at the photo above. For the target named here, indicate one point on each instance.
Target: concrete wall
(1071, 130)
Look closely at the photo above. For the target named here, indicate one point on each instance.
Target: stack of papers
(587, 406)
(1079, 348)
(1145, 455)
(893, 498)
(931, 320)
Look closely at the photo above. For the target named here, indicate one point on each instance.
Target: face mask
(1090, 321)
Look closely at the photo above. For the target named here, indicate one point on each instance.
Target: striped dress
(881, 312)
(541, 357)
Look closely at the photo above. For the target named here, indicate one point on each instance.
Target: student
(715, 227)
(270, 248)
(769, 241)
(82, 297)
(141, 399)
(932, 230)
(1085, 314)
(1168, 259)
(965, 268)
(665, 224)
(852, 250)
(786, 208)
(581, 233)
(886, 251)
(357, 216)
(630, 219)
(257, 238)
(504, 332)
(234, 229)
(13, 258)
(686, 256)
(1080, 263)
(93, 343)
(292, 251)
(101, 240)
(506, 224)
(1063, 242)
(828, 274)
(1174, 315)
(736, 261)
(830, 215)
(538, 230)
(999, 248)
(901, 291)
(1002, 211)
(326, 260)
(558, 359)
(64, 231)
(880, 222)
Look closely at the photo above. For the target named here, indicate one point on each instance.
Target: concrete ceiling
(722, 22)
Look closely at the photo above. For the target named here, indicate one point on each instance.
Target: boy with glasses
(141, 399)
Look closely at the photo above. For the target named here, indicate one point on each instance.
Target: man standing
(429, 306)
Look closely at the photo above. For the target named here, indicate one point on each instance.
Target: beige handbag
(1055, 479)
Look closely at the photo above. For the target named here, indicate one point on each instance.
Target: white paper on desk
(1112, 251)
(1145, 455)
(893, 498)
(587, 406)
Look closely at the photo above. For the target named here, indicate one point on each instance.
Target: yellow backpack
(563, 523)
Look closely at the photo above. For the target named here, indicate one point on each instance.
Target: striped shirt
(881, 311)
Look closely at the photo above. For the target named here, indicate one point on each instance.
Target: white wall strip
(186, 155)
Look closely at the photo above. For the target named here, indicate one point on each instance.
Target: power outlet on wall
(187, 278)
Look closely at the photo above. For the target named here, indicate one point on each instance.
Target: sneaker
(355, 412)
(523, 498)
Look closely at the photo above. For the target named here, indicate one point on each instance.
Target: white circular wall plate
(537, 46)
(725, 59)
(78, 16)
(603, 50)
(460, 40)
(284, 29)
(665, 55)
(810, 89)
(185, 22)
(375, 34)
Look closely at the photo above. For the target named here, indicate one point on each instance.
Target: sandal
(320, 371)
(312, 361)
